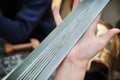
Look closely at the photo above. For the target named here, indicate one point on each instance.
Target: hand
(56, 8)
(75, 63)
(89, 44)
(75, 3)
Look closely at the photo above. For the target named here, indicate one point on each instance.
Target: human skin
(74, 66)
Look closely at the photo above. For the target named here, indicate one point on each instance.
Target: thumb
(110, 34)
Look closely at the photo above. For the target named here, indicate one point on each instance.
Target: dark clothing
(21, 20)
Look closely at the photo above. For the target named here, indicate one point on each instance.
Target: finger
(56, 15)
(110, 34)
(75, 3)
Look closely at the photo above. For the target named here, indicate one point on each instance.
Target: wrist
(76, 62)
(76, 70)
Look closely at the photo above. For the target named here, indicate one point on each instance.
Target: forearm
(71, 70)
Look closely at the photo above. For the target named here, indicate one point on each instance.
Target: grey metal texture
(43, 61)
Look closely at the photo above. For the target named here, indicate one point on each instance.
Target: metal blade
(43, 61)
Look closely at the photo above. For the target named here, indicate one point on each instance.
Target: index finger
(56, 15)
(75, 3)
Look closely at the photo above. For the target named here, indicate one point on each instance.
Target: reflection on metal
(66, 8)
(110, 55)
(43, 61)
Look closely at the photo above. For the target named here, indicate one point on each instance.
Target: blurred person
(21, 20)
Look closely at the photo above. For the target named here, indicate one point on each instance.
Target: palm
(89, 44)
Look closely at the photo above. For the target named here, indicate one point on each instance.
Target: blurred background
(111, 13)
(108, 67)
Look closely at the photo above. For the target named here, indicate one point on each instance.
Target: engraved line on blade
(77, 26)
(76, 19)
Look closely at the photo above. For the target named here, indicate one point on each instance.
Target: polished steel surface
(43, 61)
